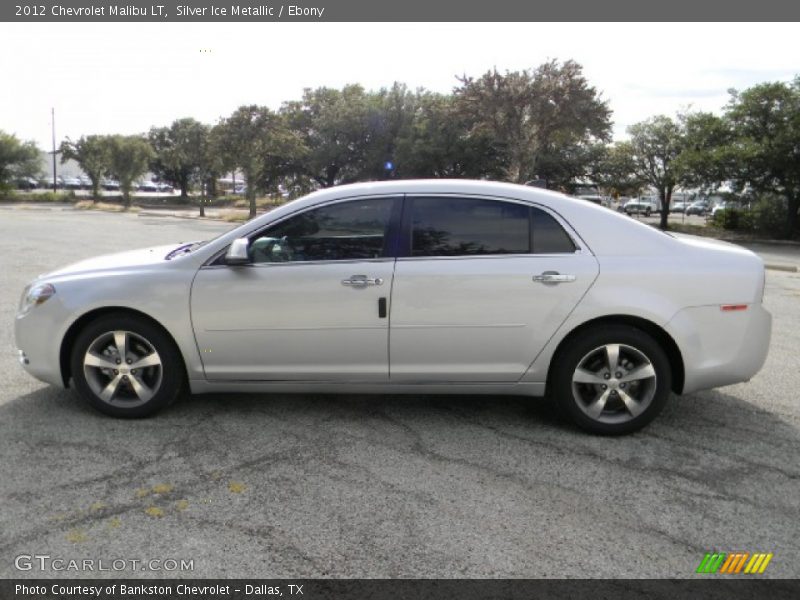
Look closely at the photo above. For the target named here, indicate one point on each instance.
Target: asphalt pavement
(383, 486)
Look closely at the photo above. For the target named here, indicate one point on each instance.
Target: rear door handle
(553, 277)
(360, 281)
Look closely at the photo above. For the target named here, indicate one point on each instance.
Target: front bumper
(718, 347)
(38, 334)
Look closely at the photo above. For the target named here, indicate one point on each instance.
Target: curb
(785, 268)
(143, 213)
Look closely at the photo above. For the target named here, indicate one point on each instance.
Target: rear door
(481, 285)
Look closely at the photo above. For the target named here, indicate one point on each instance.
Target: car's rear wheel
(612, 379)
(126, 366)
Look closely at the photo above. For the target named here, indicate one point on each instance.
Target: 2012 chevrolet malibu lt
(413, 287)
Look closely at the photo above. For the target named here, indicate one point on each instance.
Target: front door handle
(360, 281)
(553, 277)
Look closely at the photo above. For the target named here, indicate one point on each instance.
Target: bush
(728, 219)
(38, 197)
(769, 215)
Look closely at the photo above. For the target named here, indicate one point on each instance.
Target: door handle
(553, 277)
(360, 281)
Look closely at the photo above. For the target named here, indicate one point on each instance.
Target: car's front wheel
(126, 366)
(612, 379)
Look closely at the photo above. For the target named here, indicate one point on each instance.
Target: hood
(117, 261)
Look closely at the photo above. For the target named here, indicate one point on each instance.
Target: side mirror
(237, 252)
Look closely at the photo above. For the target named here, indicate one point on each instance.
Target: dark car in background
(701, 207)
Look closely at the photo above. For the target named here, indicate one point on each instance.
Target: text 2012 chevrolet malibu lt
(413, 287)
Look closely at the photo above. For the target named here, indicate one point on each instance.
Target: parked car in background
(164, 187)
(110, 185)
(701, 207)
(678, 207)
(26, 183)
(72, 183)
(147, 186)
(86, 182)
(546, 292)
(639, 207)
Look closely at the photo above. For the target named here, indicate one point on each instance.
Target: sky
(125, 78)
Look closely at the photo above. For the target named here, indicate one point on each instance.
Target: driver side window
(351, 230)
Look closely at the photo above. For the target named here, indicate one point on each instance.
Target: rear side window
(548, 236)
(468, 227)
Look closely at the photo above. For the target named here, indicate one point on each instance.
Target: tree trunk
(203, 201)
(662, 197)
(791, 217)
(95, 189)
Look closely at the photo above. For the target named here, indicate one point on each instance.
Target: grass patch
(234, 216)
(270, 202)
(42, 197)
(106, 206)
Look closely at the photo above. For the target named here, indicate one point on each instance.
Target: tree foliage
(258, 142)
(764, 151)
(338, 129)
(655, 146)
(615, 169)
(531, 115)
(17, 159)
(92, 153)
(180, 151)
(129, 157)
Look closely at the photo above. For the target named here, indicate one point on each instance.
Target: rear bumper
(720, 348)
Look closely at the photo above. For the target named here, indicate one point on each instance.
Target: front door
(312, 304)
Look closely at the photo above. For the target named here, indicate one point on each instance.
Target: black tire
(647, 212)
(577, 399)
(141, 392)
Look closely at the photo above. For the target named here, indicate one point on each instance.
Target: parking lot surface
(384, 486)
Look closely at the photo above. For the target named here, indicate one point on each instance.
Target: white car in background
(420, 287)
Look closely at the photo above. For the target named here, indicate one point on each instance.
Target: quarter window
(548, 236)
(351, 230)
(468, 227)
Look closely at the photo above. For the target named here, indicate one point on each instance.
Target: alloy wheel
(123, 368)
(614, 383)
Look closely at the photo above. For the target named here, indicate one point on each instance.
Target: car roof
(599, 228)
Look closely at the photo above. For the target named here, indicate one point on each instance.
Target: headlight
(36, 295)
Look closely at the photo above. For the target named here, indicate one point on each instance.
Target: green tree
(764, 153)
(440, 143)
(615, 170)
(706, 160)
(17, 159)
(179, 152)
(656, 145)
(338, 129)
(530, 114)
(258, 142)
(129, 157)
(91, 152)
(210, 166)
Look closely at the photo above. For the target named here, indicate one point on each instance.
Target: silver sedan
(409, 287)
